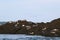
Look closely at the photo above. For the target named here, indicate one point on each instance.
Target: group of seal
(51, 29)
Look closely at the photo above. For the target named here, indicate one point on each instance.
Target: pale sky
(31, 10)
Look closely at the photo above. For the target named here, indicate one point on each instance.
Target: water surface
(25, 37)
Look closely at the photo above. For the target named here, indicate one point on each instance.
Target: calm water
(25, 37)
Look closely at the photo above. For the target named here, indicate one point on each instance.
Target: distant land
(2, 23)
(49, 29)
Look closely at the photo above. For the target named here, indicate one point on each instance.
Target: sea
(25, 37)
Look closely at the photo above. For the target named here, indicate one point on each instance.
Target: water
(25, 37)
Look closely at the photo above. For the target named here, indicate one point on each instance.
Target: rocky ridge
(51, 29)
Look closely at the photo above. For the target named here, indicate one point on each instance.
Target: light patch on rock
(17, 23)
(23, 25)
(44, 28)
(53, 32)
(55, 29)
(28, 27)
(32, 33)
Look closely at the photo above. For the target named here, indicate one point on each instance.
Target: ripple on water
(26, 37)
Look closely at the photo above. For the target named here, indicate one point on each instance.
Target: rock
(51, 29)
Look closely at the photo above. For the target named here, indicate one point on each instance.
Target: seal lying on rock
(51, 29)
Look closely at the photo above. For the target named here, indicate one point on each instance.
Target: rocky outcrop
(51, 29)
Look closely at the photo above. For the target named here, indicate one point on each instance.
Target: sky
(31, 10)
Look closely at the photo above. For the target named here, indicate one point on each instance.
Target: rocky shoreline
(50, 29)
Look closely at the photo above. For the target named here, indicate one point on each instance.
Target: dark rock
(51, 29)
